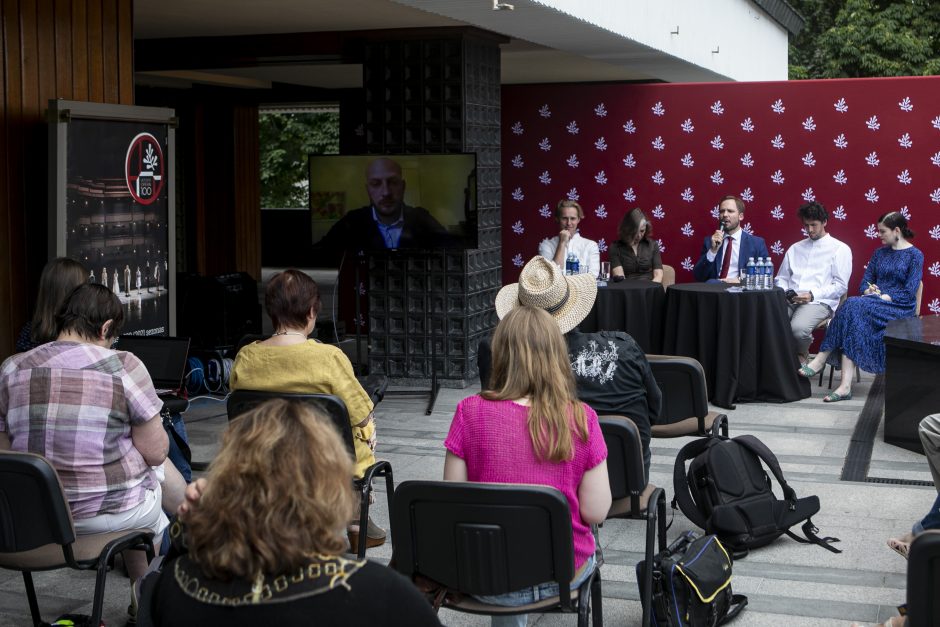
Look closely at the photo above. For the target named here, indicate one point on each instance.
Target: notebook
(164, 357)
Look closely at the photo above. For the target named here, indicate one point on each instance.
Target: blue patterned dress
(858, 327)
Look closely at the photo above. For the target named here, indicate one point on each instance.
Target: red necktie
(726, 260)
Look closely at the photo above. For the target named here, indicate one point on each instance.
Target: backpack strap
(810, 530)
(738, 602)
(767, 456)
(680, 485)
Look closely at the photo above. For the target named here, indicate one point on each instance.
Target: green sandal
(835, 397)
(806, 371)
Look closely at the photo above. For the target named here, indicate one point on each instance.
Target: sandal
(835, 397)
(806, 371)
(901, 546)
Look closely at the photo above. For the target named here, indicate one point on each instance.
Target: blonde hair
(530, 359)
(277, 493)
(568, 204)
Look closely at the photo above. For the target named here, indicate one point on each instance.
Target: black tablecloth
(636, 307)
(742, 340)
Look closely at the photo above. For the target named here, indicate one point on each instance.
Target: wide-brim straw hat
(542, 284)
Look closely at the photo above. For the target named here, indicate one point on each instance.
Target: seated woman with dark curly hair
(264, 533)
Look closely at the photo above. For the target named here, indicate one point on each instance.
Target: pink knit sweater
(493, 440)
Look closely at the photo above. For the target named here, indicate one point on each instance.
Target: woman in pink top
(531, 428)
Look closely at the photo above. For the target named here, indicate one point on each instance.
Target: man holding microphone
(725, 253)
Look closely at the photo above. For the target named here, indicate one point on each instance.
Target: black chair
(685, 399)
(36, 530)
(632, 497)
(489, 539)
(923, 580)
(241, 401)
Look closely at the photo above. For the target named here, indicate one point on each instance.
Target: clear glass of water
(605, 271)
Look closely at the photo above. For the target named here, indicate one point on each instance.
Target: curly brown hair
(277, 493)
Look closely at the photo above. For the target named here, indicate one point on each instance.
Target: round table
(742, 340)
(636, 307)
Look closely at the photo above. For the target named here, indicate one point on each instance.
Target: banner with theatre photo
(117, 211)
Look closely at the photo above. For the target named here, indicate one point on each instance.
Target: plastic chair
(488, 539)
(36, 530)
(685, 399)
(241, 401)
(633, 498)
(923, 580)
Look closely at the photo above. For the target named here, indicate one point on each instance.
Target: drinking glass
(605, 271)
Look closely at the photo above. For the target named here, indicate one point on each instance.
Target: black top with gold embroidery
(330, 590)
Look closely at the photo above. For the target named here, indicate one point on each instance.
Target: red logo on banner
(143, 168)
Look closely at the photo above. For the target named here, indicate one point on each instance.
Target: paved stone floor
(787, 583)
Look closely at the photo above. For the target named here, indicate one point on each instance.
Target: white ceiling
(522, 60)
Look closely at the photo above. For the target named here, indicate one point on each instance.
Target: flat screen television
(432, 203)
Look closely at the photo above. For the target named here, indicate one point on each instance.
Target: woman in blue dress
(888, 292)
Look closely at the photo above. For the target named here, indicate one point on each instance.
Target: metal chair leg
(98, 603)
(31, 597)
(597, 609)
(364, 520)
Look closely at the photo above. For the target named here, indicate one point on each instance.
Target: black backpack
(692, 584)
(728, 493)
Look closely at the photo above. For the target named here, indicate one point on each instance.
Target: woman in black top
(265, 536)
(635, 255)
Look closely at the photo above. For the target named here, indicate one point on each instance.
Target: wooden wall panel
(247, 205)
(71, 49)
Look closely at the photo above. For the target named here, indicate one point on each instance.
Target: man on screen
(387, 222)
(726, 251)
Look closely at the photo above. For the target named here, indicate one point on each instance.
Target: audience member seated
(815, 272)
(530, 427)
(59, 277)
(725, 252)
(289, 361)
(888, 292)
(636, 255)
(929, 432)
(264, 534)
(569, 214)
(610, 370)
(93, 413)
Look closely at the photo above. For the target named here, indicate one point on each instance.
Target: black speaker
(217, 311)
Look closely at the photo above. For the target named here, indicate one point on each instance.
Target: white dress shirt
(733, 270)
(589, 257)
(822, 267)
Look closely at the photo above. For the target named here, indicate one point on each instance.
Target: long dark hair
(896, 220)
(58, 279)
(630, 225)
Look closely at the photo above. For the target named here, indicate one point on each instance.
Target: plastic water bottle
(768, 273)
(750, 275)
(572, 264)
(759, 274)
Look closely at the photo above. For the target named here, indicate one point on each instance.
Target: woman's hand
(872, 289)
(194, 492)
(886, 297)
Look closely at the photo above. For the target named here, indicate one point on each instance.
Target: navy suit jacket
(751, 246)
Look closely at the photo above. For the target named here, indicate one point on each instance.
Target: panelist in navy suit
(725, 252)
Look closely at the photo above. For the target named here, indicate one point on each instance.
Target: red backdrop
(860, 147)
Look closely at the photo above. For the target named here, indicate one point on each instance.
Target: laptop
(164, 357)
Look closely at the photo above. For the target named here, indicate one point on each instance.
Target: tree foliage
(862, 38)
(286, 140)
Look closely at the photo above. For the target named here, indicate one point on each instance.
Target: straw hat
(541, 284)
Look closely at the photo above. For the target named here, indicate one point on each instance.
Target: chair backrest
(923, 580)
(483, 538)
(669, 275)
(682, 381)
(241, 401)
(624, 457)
(33, 509)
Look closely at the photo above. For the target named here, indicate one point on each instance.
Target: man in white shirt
(569, 214)
(817, 270)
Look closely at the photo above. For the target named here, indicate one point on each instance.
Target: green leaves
(862, 38)
(286, 141)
